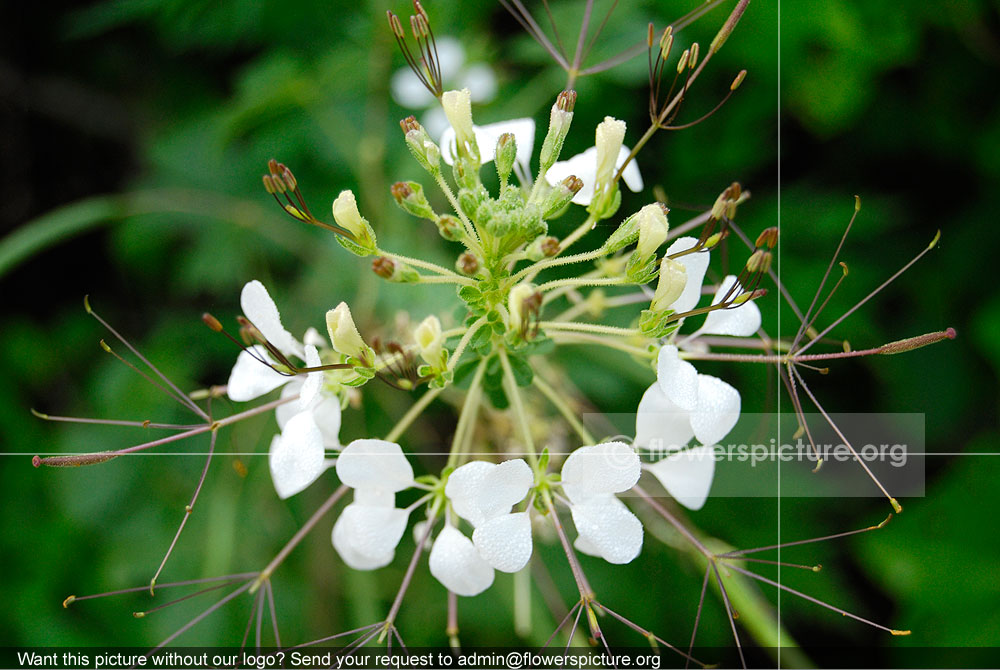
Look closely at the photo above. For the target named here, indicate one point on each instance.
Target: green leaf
(523, 374)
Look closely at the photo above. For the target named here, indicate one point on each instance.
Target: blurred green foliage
(173, 108)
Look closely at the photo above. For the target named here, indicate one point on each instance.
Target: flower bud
(467, 263)
(420, 145)
(409, 195)
(458, 108)
(506, 154)
(608, 140)
(344, 334)
(450, 227)
(673, 279)
(430, 340)
(560, 119)
(394, 271)
(347, 216)
(560, 195)
(653, 229)
(545, 246)
(524, 300)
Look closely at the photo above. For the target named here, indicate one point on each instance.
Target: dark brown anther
(468, 264)
(566, 100)
(550, 246)
(573, 183)
(401, 191)
(272, 167)
(383, 267)
(409, 123)
(649, 36)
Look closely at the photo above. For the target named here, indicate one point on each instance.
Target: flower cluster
(486, 512)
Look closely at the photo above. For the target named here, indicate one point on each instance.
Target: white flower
(584, 167)
(296, 455)
(487, 136)
(409, 91)
(368, 530)
(483, 494)
(590, 478)
(682, 404)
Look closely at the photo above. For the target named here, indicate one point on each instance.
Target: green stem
(564, 409)
(464, 281)
(581, 230)
(411, 415)
(475, 244)
(466, 417)
(518, 406)
(585, 338)
(464, 342)
(417, 263)
(583, 281)
(589, 328)
(554, 262)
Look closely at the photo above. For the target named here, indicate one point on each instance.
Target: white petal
(687, 475)
(250, 378)
(631, 175)
(374, 464)
(463, 489)
(480, 491)
(659, 423)
(610, 467)
(262, 312)
(586, 546)
(742, 321)
(283, 413)
(326, 412)
(313, 337)
(677, 378)
(609, 528)
(480, 81)
(523, 131)
(366, 537)
(506, 485)
(455, 563)
(717, 412)
(695, 264)
(505, 541)
(584, 167)
(487, 136)
(374, 497)
(296, 456)
(313, 381)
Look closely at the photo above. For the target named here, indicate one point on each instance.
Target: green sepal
(355, 248)
(656, 325)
